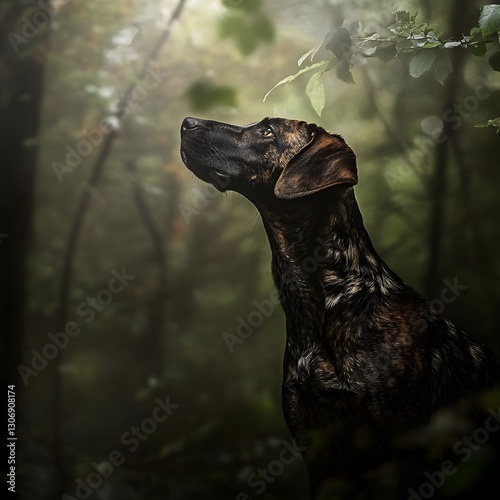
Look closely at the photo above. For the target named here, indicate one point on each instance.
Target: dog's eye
(266, 132)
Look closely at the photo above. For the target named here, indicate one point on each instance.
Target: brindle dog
(368, 360)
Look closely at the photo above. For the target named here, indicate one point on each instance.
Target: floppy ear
(324, 162)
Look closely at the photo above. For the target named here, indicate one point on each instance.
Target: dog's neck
(322, 256)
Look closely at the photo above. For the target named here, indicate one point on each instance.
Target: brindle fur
(366, 358)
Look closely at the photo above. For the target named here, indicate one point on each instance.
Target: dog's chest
(314, 372)
(313, 393)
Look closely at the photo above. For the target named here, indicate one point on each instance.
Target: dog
(368, 361)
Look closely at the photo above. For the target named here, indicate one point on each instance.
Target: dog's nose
(190, 123)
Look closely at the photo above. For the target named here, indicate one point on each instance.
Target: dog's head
(284, 159)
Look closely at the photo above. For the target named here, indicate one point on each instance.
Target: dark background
(199, 260)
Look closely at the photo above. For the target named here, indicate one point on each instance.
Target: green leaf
(316, 92)
(263, 28)
(442, 66)
(339, 42)
(239, 29)
(494, 61)
(386, 53)
(354, 27)
(489, 20)
(431, 44)
(248, 31)
(451, 45)
(478, 49)
(402, 16)
(310, 53)
(344, 71)
(422, 62)
(417, 40)
(204, 95)
(405, 17)
(291, 78)
(368, 51)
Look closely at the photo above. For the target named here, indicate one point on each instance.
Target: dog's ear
(324, 162)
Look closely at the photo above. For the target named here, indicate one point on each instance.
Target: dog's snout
(190, 123)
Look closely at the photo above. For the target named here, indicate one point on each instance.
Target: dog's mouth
(185, 159)
(192, 162)
(220, 180)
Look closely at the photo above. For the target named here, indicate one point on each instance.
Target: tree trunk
(462, 14)
(22, 73)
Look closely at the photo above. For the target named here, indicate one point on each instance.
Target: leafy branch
(495, 122)
(427, 52)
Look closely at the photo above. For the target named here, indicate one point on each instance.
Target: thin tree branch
(159, 252)
(151, 341)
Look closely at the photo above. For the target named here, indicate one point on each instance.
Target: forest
(141, 335)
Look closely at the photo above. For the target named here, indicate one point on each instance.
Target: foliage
(491, 123)
(247, 25)
(427, 52)
(204, 95)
